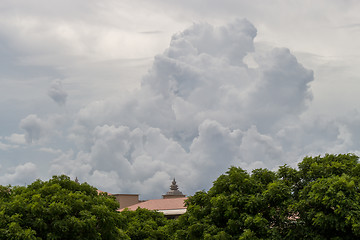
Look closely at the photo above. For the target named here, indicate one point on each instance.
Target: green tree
(319, 200)
(328, 201)
(238, 206)
(58, 209)
(145, 224)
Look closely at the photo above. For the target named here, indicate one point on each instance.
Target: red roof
(159, 204)
(99, 191)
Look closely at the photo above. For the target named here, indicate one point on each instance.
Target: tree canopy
(318, 200)
(57, 209)
(144, 224)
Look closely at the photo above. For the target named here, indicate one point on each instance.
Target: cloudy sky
(126, 95)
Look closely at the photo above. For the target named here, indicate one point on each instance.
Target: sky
(127, 95)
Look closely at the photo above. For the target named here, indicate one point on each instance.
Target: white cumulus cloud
(22, 174)
(199, 110)
(215, 96)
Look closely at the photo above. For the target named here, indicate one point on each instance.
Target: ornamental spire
(174, 186)
(174, 191)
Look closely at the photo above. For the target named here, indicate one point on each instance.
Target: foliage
(329, 197)
(238, 206)
(58, 209)
(145, 224)
(320, 200)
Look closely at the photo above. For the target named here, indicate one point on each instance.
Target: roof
(173, 212)
(99, 191)
(174, 190)
(160, 204)
(125, 194)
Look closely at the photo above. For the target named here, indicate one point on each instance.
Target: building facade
(172, 203)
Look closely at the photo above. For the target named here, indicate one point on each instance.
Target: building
(126, 200)
(172, 203)
(174, 192)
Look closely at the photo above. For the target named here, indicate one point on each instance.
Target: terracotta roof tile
(160, 204)
(99, 191)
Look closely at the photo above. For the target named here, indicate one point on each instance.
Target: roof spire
(174, 186)
(174, 191)
(76, 180)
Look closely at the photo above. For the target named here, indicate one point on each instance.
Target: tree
(145, 224)
(58, 209)
(328, 197)
(238, 206)
(320, 200)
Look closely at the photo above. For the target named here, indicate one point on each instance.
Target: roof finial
(174, 191)
(174, 186)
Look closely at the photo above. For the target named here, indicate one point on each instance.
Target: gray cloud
(57, 93)
(5, 147)
(16, 138)
(20, 175)
(38, 130)
(200, 110)
(34, 127)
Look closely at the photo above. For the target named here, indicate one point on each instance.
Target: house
(172, 203)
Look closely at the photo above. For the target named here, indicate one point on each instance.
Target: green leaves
(318, 201)
(57, 209)
(238, 205)
(145, 224)
(311, 168)
(331, 205)
(62, 209)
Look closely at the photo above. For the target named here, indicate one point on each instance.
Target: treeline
(318, 200)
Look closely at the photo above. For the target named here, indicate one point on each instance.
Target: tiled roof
(160, 204)
(99, 191)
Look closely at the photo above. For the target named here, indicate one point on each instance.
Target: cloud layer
(200, 109)
(57, 93)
